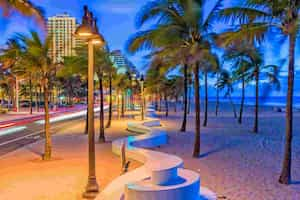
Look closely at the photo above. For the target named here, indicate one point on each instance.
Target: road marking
(33, 134)
(12, 130)
(20, 138)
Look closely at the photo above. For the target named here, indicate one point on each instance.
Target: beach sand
(234, 162)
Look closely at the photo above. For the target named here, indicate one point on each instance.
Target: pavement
(25, 176)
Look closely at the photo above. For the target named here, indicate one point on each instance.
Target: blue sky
(116, 19)
(116, 22)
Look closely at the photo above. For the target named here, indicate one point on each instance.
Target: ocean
(265, 101)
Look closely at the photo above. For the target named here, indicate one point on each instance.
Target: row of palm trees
(182, 35)
(28, 57)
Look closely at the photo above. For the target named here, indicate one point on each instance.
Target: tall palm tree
(176, 88)
(257, 17)
(104, 66)
(180, 26)
(37, 54)
(226, 82)
(210, 64)
(10, 58)
(247, 64)
(241, 65)
(111, 74)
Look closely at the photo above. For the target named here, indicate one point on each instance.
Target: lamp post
(88, 31)
(17, 95)
(142, 98)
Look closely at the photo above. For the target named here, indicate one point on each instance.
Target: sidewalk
(25, 176)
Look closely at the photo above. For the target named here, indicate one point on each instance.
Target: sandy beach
(236, 163)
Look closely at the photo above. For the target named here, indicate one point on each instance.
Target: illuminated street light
(88, 31)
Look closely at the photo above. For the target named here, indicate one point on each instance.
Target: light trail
(70, 116)
(12, 130)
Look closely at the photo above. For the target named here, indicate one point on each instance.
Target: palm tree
(104, 66)
(258, 17)
(217, 75)
(25, 7)
(11, 57)
(6, 86)
(241, 65)
(226, 81)
(111, 75)
(180, 26)
(76, 65)
(210, 64)
(176, 88)
(36, 53)
(121, 83)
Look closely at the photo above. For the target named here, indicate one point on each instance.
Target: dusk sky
(116, 22)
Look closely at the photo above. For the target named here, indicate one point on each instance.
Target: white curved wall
(161, 177)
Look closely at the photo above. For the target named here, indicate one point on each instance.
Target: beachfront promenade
(234, 163)
(161, 177)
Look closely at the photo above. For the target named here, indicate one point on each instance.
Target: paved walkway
(24, 176)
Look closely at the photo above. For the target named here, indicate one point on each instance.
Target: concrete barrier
(162, 176)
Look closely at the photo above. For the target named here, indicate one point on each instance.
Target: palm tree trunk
(196, 152)
(36, 99)
(48, 142)
(101, 135)
(255, 128)
(110, 103)
(233, 106)
(122, 105)
(160, 102)
(189, 100)
(40, 97)
(176, 102)
(242, 101)
(31, 94)
(217, 102)
(156, 102)
(185, 99)
(118, 105)
(206, 99)
(285, 176)
(166, 105)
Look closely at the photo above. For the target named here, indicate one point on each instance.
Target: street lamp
(142, 97)
(88, 31)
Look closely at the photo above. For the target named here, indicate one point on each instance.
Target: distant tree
(226, 82)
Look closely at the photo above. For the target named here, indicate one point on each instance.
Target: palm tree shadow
(219, 149)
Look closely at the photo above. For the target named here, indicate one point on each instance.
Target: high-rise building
(62, 28)
(121, 62)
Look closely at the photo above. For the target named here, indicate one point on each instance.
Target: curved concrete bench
(161, 177)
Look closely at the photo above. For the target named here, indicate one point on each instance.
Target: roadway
(32, 133)
(23, 134)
